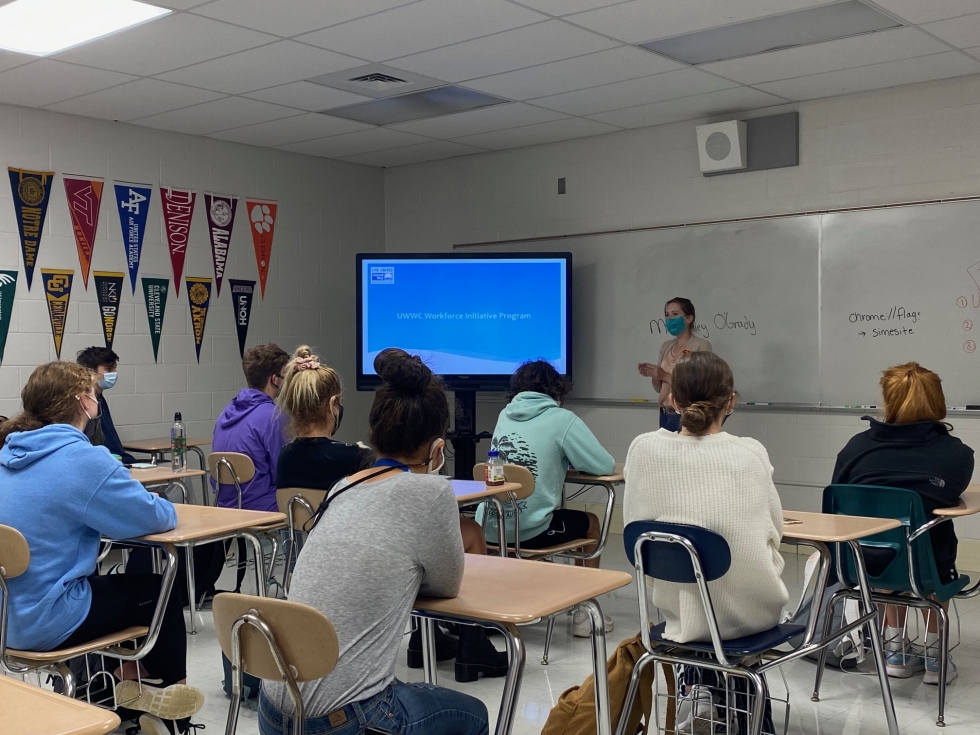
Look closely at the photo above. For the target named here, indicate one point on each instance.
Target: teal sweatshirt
(64, 494)
(535, 432)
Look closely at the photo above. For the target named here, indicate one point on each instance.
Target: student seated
(388, 534)
(101, 431)
(311, 400)
(63, 495)
(912, 449)
(534, 431)
(706, 477)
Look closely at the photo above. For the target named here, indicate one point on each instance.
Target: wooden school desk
(501, 593)
(163, 475)
(159, 448)
(968, 505)
(30, 710)
(469, 492)
(607, 483)
(198, 524)
(820, 530)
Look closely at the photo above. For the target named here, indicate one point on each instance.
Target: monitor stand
(464, 437)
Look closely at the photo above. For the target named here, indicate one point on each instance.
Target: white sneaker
(174, 702)
(932, 671)
(695, 712)
(582, 624)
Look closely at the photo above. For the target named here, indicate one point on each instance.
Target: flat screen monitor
(472, 318)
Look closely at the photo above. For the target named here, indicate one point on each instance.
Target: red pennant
(262, 217)
(178, 211)
(84, 202)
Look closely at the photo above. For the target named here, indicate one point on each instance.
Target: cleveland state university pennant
(8, 285)
(178, 211)
(155, 295)
(199, 297)
(241, 298)
(262, 216)
(84, 202)
(108, 290)
(133, 202)
(221, 222)
(32, 192)
(57, 291)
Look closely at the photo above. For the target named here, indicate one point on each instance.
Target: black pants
(120, 601)
(209, 560)
(714, 681)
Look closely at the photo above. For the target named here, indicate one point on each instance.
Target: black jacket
(921, 456)
(318, 462)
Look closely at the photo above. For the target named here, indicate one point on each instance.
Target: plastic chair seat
(63, 654)
(550, 550)
(749, 645)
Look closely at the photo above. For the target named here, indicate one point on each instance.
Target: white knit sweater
(723, 483)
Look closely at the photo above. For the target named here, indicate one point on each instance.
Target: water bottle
(178, 444)
(495, 468)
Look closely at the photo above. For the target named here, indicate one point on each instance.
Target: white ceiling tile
(408, 155)
(548, 132)
(567, 7)
(656, 88)
(9, 59)
(177, 40)
(878, 76)
(46, 81)
(648, 20)
(135, 99)
(307, 96)
(179, 4)
(421, 26)
(567, 75)
(845, 53)
(922, 11)
(350, 144)
(687, 108)
(295, 16)
(211, 117)
(502, 52)
(291, 130)
(485, 120)
(962, 32)
(277, 63)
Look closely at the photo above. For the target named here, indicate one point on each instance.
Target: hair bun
(698, 416)
(402, 372)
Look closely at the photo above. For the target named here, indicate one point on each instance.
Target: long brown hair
(50, 397)
(702, 386)
(410, 408)
(307, 390)
(912, 393)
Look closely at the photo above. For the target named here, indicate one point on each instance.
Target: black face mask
(91, 427)
(338, 418)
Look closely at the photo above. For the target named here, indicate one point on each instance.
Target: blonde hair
(307, 389)
(50, 397)
(911, 393)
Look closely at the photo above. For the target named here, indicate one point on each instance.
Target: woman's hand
(648, 370)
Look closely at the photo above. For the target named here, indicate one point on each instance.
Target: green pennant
(8, 284)
(155, 296)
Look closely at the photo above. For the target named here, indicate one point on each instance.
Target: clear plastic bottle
(178, 444)
(495, 468)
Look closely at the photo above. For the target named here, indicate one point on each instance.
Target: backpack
(574, 714)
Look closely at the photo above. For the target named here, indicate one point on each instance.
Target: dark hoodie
(252, 425)
(920, 456)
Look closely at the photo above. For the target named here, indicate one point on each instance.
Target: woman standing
(679, 323)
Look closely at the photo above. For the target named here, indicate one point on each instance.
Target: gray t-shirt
(362, 567)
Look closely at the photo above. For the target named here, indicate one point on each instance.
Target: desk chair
(299, 504)
(522, 475)
(15, 557)
(273, 639)
(900, 563)
(684, 554)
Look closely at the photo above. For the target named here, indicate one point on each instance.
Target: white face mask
(438, 446)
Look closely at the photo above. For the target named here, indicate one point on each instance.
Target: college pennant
(8, 285)
(221, 221)
(262, 216)
(32, 191)
(84, 201)
(155, 295)
(108, 290)
(133, 201)
(57, 291)
(199, 296)
(178, 211)
(241, 297)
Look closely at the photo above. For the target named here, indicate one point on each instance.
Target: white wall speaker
(722, 146)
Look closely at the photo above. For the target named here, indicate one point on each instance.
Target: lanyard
(393, 464)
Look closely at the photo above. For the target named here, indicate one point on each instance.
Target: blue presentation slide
(466, 317)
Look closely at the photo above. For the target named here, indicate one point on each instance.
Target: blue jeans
(670, 420)
(401, 709)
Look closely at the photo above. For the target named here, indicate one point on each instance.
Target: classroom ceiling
(546, 70)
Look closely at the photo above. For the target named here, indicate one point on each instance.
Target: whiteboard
(754, 285)
(900, 284)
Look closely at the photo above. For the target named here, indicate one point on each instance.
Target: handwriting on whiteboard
(721, 322)
(894, 313)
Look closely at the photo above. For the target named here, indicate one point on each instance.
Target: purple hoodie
(251, 425)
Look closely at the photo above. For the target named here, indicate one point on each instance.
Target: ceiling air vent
(379, 82)
(376, 80)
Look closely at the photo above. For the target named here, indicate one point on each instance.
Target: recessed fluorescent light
(775, 32)
(42, 27)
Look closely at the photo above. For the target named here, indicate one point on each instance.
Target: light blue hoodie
(535, 432)
(63, 494)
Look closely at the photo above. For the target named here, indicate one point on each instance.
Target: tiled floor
(850, 703)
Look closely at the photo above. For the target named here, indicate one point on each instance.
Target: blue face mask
(108, 380)
(675, 325)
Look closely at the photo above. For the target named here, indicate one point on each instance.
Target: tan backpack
(574, 714)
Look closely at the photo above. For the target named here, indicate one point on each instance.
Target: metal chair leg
(547, 640)
(822, 656)
(942, 618)
(634, 687)
(62, 671)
